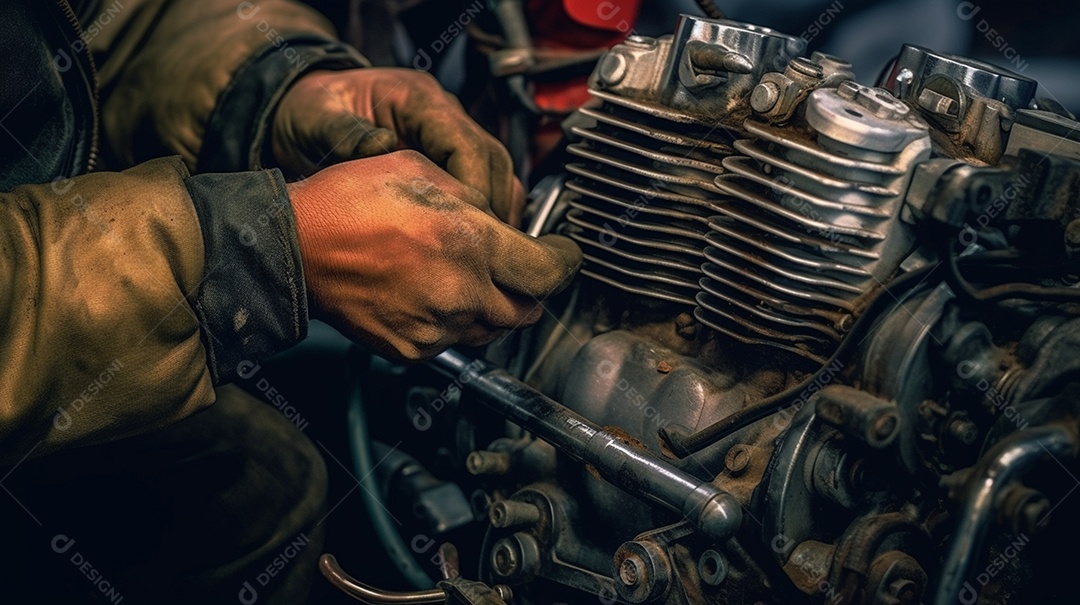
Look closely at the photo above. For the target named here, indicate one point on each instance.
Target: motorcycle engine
(845, 311)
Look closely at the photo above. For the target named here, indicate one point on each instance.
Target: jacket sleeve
(202, 79)
(110, 283)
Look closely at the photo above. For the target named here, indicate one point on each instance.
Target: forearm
(128, 295)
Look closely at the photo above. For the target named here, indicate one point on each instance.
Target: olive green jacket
(126, 296)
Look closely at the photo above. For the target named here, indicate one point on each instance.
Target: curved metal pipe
(329, 567)
(1005, 464)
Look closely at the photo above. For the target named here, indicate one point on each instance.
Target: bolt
(1035, 514)
(686, 326)
(508, 513)
(906, 592)
(487, 463)
(612, 68)
(965, 431)
(764, 97)
(884, 426)
(737, 459)
(640, 41)
(505, 559)
(805, 66)
(1026, 508)
(1072, 234)
(631, 571)
(904, 79)
(504, 592)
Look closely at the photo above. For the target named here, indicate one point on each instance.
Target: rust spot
(625, 437)
(663, 367)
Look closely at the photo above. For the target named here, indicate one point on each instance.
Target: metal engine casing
(754, 222)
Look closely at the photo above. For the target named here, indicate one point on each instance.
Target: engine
(824, 348)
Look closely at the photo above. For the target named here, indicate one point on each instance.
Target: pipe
(329, 567)
(639, 472)
(1004, 465)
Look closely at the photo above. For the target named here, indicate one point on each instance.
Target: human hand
(334, 116)
(398, 255)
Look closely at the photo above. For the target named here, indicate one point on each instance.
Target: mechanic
(131, 472)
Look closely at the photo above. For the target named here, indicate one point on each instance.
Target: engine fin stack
(812, 223)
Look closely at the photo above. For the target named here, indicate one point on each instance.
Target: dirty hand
(397, 255)
(334, 116)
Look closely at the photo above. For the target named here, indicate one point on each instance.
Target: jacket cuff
(236, 133)
(252, 301)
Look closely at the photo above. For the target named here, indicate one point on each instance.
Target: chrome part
(971, 104)
(644, 187)
(813, 224)
(1000, 468)
(917, 67)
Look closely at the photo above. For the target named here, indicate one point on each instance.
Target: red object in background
(573, 25)
(576, 25)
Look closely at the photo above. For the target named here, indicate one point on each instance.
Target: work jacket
(129, 287)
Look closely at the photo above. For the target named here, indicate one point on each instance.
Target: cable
(994, 294)
(360, 446)
(710, 9)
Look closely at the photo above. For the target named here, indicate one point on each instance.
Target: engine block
(825, 349)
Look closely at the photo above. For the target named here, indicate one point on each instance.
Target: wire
(360, 446)
(710, 9)
(1001, 292)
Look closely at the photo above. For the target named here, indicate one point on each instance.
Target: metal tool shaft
(713, 511)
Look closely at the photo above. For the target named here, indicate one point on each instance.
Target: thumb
(344, 136)
(534, 267)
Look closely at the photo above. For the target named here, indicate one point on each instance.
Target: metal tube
(713, 511)
(1004, 465)
(329, 567)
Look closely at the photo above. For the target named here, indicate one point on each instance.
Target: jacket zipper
(92, 156)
